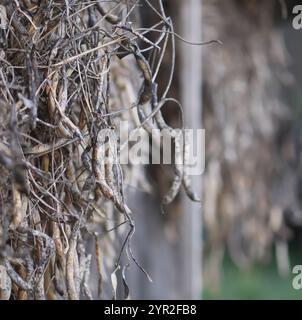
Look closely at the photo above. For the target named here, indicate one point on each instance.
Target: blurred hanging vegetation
(252, 182)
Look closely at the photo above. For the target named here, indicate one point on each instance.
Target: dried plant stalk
(61, 70)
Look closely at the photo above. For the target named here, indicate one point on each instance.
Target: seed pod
(5, 284)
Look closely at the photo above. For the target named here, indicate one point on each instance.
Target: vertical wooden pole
(191, 97)
(173, 262)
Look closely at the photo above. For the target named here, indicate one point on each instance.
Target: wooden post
(171, 250)
(191, 98)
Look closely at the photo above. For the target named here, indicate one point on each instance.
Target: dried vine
(63, 83)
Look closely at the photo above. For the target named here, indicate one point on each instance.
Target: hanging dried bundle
(70, 70)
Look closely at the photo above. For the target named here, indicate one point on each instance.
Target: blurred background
(245, 238)
(252, 184)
